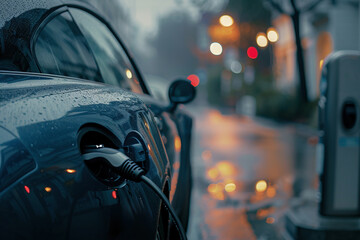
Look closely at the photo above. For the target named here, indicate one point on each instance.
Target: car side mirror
(180, 91)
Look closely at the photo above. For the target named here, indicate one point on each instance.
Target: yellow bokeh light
(272, 35)
(128, 74)
(216, 48)
(213, 173)
(70, 170)
(219, 196)
(226, 20)
(261, 40)
(321, 63)
(177, 144)
(213, 188)
(226, 169)
(261, 186)
(48, 189)
(230, 187)
(216, 191)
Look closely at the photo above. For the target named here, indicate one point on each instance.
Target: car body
(67, 84)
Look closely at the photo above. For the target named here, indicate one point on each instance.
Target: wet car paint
(50, 201)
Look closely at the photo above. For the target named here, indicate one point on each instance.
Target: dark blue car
(69, 87)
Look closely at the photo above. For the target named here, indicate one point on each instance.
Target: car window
(114, 64)
(61, 49)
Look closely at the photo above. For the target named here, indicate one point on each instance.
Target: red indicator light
(114, 194)
(252, 53)
(27, 189)
(194, 79)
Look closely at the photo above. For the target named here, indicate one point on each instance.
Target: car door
(56, 119)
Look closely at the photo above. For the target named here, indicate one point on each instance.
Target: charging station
(338, 150)
(337, 216)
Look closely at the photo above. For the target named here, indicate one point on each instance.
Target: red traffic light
(252, 52)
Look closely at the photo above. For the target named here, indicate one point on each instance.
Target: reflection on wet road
(242, 177)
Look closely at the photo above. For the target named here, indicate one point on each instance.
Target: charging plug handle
(118, 161)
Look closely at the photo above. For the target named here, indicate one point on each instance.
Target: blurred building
(333, 25)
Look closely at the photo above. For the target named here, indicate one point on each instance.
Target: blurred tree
(174, 44)
(294, 9)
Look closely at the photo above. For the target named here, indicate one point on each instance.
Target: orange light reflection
(113, 194)
(70, 170)
(213, 173)
(271, 192)
(270, 220)
(226, 169)
(177, 144)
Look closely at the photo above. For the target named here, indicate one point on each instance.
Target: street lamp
(226, 20)
(272, 35)
(261, 40)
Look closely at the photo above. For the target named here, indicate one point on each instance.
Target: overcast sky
(147, 12)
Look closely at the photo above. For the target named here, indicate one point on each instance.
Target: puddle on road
(239, 167)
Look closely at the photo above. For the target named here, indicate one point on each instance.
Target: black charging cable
(129, 170)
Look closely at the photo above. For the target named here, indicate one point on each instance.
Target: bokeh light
(226, 20)
(230, 187)
(236, 67)
(252, 52)
(271, 192)
(261, 186)
(48, 189)
(261, 40)
(213, 173)
(272, 35)
(128, 74)
(216, 48)
(270, 220)
(194, 79)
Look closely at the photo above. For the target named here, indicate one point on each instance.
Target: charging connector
(128, 169)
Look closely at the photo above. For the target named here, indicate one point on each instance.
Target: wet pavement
(243, 176)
